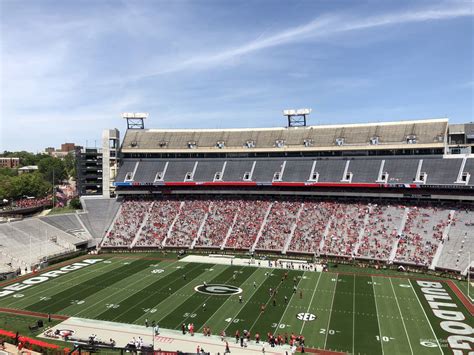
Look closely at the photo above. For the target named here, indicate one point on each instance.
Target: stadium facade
(392, 192)
(431, 156)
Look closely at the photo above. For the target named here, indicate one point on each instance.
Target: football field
(358, 314)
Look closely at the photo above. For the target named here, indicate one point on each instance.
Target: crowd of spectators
(345, 227)
(33, 202)
(160, 218)
(381, 231)
(220, 219)
(278, 225)
(249, 221)
(422, 234)
(310, 226)
(187, 226)
(459, 240)
(127, 223)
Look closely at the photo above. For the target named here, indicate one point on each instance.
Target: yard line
(310, 302)
(437, 341)
(225, 303)
(148, 297)
(353, 315)
(401, 316)
(287, 306)
(58, 282)
(259, 315)
(178, 291)
(377, 311)
(248, 299)
(128, 294)
(330, 312)
(200, 305)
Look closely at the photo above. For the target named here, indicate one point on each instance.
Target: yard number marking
(384, 338)
(112, 305)
(330, 331)
(233, 320)
(77, 301)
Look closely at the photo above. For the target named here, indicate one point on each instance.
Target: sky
(68, 69)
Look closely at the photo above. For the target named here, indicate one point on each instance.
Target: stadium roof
(430, 133)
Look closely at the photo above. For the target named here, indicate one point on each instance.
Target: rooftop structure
(385, 135)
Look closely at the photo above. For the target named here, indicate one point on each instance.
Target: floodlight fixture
(135, 120)
(297, 117)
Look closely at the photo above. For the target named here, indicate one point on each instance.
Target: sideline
(32, 314)
(122, 333)
(462, 297)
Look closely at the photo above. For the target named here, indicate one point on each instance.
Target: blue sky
(69, 68)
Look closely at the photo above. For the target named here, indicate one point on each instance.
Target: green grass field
(359, 314)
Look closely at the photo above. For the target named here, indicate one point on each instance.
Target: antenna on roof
(135, 120)
(297, 118)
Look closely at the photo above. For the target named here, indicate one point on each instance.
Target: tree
(31, 184)
(70, 165)
(75, 203)
(49, 166)
(6, 187)
(8, 172)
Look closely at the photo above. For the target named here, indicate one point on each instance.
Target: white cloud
(320, 27)
(66, 69)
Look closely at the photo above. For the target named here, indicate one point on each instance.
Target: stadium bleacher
(469, 167)
(98, 215)
(29, 241)
(381, 232)
(422, 234)
(400, 170)
(68, 223)
(222, 215)
(54, 235)
(459, 241)
(407, 234)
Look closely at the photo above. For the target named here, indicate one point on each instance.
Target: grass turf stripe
(32, 294)
(392, 325)
(440, 334)
(133, 307)
(251, 310)
(118, 292)
(366, 325)
(226, 313)
(270, 319)
(63, 299)
(167, 305)
(315, 331)
(191, 310)
(342, 310)
(417, 325)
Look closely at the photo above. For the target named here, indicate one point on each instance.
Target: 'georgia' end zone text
(8, 290)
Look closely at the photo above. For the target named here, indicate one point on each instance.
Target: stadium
(326, 239)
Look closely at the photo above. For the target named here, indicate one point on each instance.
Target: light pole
(53, 190)
(469, 277)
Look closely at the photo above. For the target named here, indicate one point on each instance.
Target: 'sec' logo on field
(306, 316)
(216, 289)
